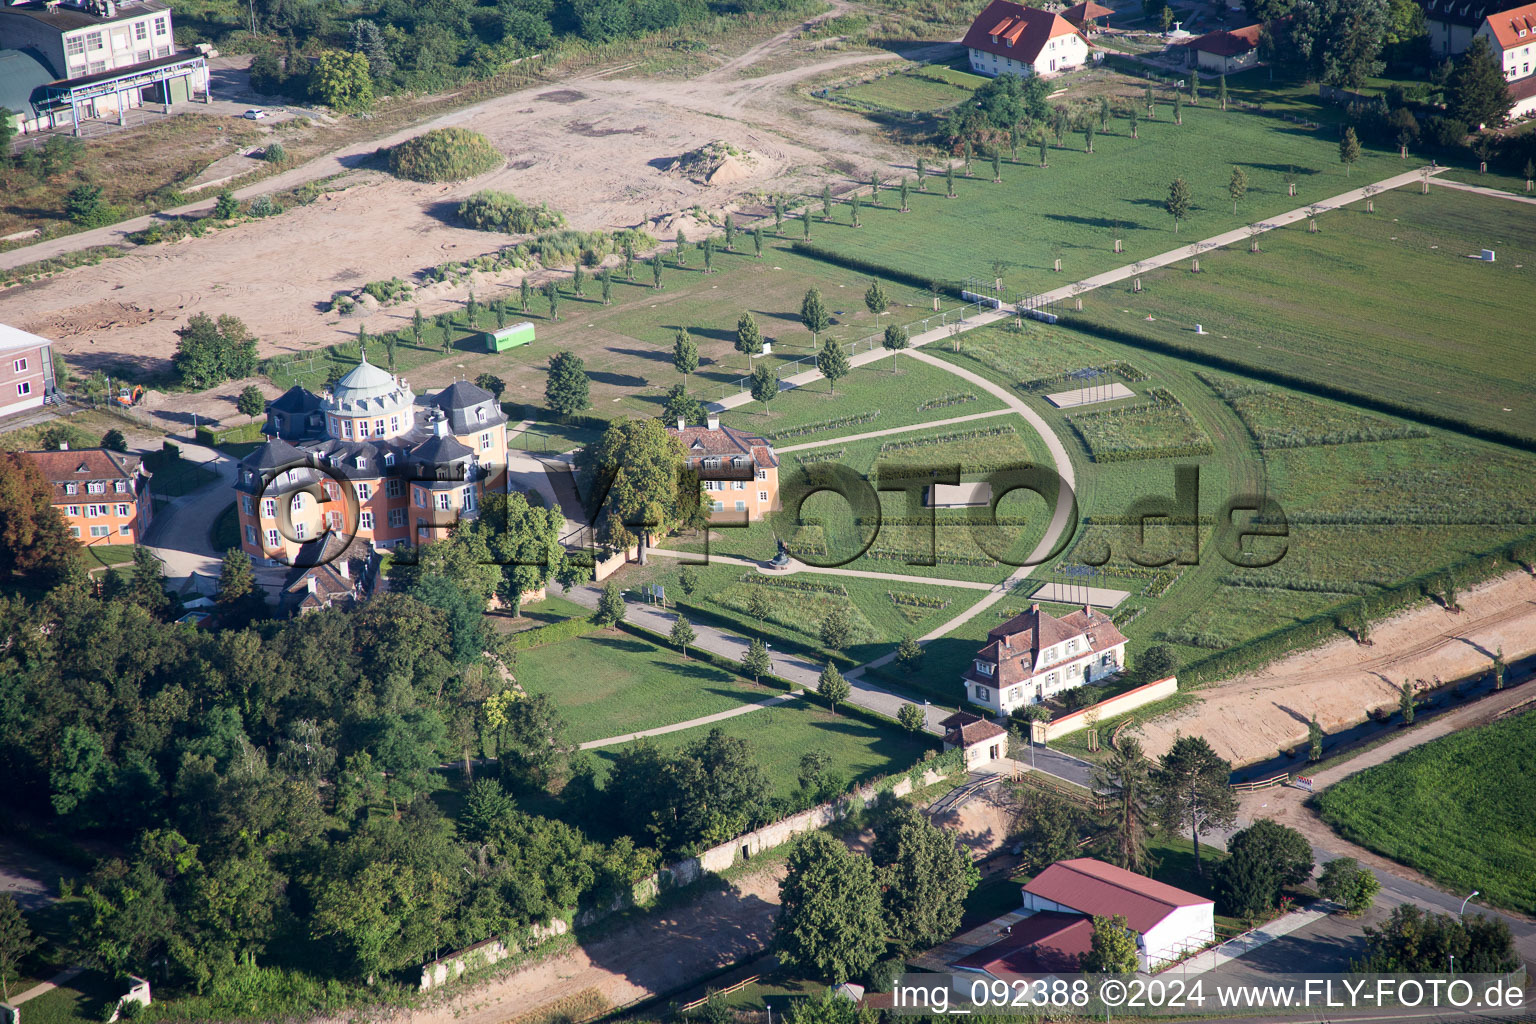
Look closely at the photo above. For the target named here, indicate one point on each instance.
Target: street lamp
(1462, 912)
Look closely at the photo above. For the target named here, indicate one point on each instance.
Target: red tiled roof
(1078, 13)
(1015, 646)
(1228, 43)
(1043, 943)
(963, 729)
(1096, 888)
(1027, 28)
(1522, 89)
(725, 442)
(81, 466)
(1508, 25)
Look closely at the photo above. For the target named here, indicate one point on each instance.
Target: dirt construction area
(1250, 717)
(599, 149)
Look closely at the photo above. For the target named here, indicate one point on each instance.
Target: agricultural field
(609, 683)
(1371, 499)
(1461, 809)
(1394, 284)
(1051, 215)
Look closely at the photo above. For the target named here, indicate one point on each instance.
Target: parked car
(255, 114)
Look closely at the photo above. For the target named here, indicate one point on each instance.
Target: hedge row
(790, 583)
(945, 401)
(234, 435)
(852, 419)
(1306, 385)
(935, 439)
(1262, 650)
(838, 259)
(566, 629)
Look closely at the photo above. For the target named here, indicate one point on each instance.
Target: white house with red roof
(1035, 655)
(1510, 35)
(1169, 923)
(740, 470)
(1011, 39)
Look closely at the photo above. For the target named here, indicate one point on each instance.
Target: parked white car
(255, 114)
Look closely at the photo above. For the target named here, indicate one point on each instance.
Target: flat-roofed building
(26, 371)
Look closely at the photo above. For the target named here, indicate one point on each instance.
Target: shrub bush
(274, 153)
(444, 154)
(489, 210)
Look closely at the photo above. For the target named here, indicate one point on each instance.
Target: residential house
(1011, 39)
(103, 495)
(1452, 23)
(369, 460)
(1056, 925)
(1511, 35)
(740, 470)
(104, 57)
(1224, 51)
(1035, 655)
(26, 365)
(981, 741)
(1089, 16)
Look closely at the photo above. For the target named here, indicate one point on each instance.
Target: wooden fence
(727, 991)
(1269, 783)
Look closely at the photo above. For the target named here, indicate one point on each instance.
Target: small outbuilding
(1088, 16)
(982, 741)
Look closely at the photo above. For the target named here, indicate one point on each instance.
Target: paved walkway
(1484, 190)
(794, 669)
(179, 533)
(694, 723)
(63, 977)
(1251, 940)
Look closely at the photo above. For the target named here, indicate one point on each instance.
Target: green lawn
(81, 1001)
(1053, 213)
(1461, 809)
(1396, 284)
(779, 735)
(907, 92)
(608, 684)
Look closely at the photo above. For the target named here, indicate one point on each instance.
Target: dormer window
(362, 463)
(389, 458)
(986, 668)
(1008, 43)
(994, 37)
(480, 414)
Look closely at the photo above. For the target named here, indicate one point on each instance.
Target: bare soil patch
(1251, 717)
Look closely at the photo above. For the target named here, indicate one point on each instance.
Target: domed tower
(369, 403)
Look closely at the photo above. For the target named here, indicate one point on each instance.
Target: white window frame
(20, 366)
(122, 511)
(269, 508)
(273, 541)
(365, 519)
(72, 510)
(364, 492)
(101, 531)
(444, 501)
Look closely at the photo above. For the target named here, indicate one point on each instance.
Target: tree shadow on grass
(619, 643)
(1106, 223)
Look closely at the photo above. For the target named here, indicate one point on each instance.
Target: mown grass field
(610, 683)
(779, 735)
(1056, 212)
(1386, 305)
(1461, 809)
(907, 92)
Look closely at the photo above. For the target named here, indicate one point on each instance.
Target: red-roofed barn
(1225, 50)
(1168, 922)
(1011, 39)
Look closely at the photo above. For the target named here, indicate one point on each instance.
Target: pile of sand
(714, 163)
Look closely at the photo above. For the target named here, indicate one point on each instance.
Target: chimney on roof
(1034, 608)
(713, 421)
(63, 446)
(682, 423)
(344, 566)
(1088, 609)
(309, 583)
(440, 426)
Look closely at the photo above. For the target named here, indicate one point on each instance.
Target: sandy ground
(1253, 716)
(981, 824)
(596, 148)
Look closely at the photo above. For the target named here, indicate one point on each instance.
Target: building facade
(1010, 39)
(26, 371)
(104, 496)
(106, 57)
(369, 460)
(1035, 655)
(740, 470)
(1224, 51)
(1452, 23)
(1510, 35)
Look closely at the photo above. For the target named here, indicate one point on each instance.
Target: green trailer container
(509, 337)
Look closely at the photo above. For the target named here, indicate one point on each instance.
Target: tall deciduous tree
(1349, 149)
(683, 634)
(764, 385)
(756, 660)
(342, 80)
(633, 482)
(749, 340)
(875, 298)
(1178, 202)
(894, 341)
(1113, 949)
(829, 919)
(211, 351)
(33, 535)
(832, 687)
(924, 879)
(236, 577)
(1237, 187)
(813, 313)
(833, 362)
(1190, 790)
(1262, 860)
(685, 353)
(16, 939)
